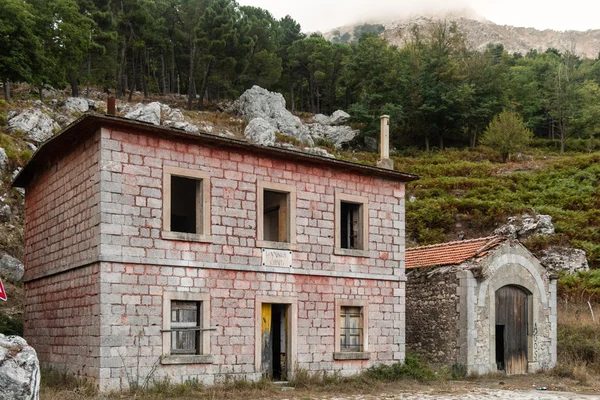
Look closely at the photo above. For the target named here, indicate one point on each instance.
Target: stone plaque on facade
(276, 258)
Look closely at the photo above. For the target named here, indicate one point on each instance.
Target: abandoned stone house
(486, 304)
(207, 256)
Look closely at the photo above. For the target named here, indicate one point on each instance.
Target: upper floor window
(351, 225)
(276, 215)
(186, 204)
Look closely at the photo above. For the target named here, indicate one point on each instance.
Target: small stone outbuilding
(486, 304)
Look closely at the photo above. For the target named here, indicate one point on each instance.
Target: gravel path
(475, 394)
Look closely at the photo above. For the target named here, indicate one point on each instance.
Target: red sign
(2, 291)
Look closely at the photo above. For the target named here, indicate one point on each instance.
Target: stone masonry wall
(132, 316)
(62, 213)
(132, 170)
(62, 320)
(432, 313)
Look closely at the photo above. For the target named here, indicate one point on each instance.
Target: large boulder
(146, 113)
(186, 126)
(77, 104)
(339, 117)
(338, 135)
(257, 102)
(11, 268)
(261, 132)
(19, 369)
(564, 259)
(34, 123)
(527, 225)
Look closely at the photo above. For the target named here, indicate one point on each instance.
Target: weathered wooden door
(274, 332)
(511, 322)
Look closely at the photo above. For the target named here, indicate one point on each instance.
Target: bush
(412, 368)
(10, 325)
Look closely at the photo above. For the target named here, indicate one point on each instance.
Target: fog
(324, 15)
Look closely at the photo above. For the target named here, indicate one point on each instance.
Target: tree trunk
(191, 72)
(143, 77)
(204, 86)
(162, 73)
(426, 143)
(174, 85)
(73, 83)
(6, 83)
(133, 79)
(121, 87)
(292, 98)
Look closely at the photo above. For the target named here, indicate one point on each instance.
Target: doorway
(275, 343)
(512, 317)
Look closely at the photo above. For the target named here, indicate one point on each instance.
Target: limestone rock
(565, 259)
(339, 117)
(321, 119)
(34, 123)
(527, 225)
(5, 213)
(92, 104)
(11, 268)
(186, 126)
(335, 134)
(257, 102)
(77, 104)
(261, 132)
(319, 152)
(3, 158)
(19, 369)
(146, 113)
(175, 115)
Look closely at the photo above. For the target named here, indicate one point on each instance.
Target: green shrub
(10, 325)
(412, 368)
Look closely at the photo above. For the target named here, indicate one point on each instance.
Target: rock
(257, 102)
(11, 268)
(371, 144)
(339, 117)
(146, 113)
(186, 126)
(92, 104)
(76, 104)
(335, 134)
(261, 132)
(19, 369)
(321, 119)
(34, 123)
(5, 213)
(318, 152)
(527, 225)
(175, 115)
(565, 259)
(32, 147)
(3, 158)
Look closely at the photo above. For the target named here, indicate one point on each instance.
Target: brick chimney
(384, 144)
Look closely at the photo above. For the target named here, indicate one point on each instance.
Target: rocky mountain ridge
(481, 32)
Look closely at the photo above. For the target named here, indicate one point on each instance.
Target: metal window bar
(351, 331)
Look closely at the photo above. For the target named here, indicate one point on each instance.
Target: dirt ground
(499, 387)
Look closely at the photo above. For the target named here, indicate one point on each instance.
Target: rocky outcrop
(318, 152)
(564, 260)
(19, 369)
(260, 131)
(339, 117)
(11, 268)
(257, 102)
(186, 126)
(76, 104)
(146, 112)
(3, 158)
(526, 226)
(338, 135)
(36, 124)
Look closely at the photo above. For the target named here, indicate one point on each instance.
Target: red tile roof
(452, 253)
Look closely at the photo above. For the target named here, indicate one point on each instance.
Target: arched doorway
(512, 317)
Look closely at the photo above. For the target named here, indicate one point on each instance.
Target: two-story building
(208, 257)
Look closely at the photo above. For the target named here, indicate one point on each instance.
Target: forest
(438, 91)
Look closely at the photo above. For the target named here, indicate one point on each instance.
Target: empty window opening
(186, 210)
(500, 347)
(351, 225)
(275, 216)
(351, 329)
(185, 327)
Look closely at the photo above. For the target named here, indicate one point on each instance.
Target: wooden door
(511, 322)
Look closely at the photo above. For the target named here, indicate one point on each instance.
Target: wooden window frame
(364, 229)
(203, 224)
(203, 356)
(290, 190)
(340, 354)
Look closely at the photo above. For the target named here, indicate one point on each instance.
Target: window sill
(186, 237)
(275, 245)
(187, 359)
(351, 252)
(351, 355)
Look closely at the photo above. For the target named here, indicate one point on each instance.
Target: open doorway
(275, 328)
(512, 317)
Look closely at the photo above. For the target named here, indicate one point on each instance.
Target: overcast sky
(324, 15)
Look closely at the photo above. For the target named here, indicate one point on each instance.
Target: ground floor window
(185, 327)
(351, 329)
